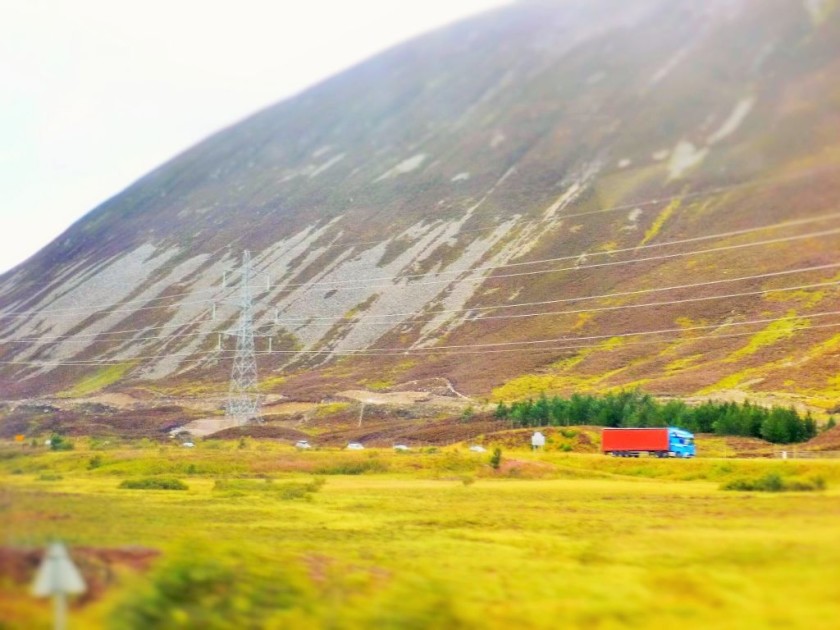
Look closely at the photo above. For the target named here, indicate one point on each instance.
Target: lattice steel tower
(243, 404)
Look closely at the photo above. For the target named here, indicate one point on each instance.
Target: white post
(60, 611)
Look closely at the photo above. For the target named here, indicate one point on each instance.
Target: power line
(551, 349)
(554, 349)
(649, 258)
(386, 352)
(602, 309)
(709, 192)
(484, 308)
(544, 271)
(693, 195)
(695, 285)
(612, 252)
(632, 334)
(621, 307)
(713, 250)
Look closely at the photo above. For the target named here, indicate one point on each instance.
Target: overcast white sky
(96, 93)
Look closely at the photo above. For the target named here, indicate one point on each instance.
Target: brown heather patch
(827, 441)
(100, 566)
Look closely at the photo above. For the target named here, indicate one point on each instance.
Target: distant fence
(794, 453)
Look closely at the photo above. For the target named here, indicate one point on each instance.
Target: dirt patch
(438, 386)
(289, 408)
(207, 426)
(385, 398)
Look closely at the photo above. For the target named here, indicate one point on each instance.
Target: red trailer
(662, 442)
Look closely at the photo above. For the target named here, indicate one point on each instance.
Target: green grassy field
(268, 537)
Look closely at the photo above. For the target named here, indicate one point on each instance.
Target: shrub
(291, 491)
(774, 482)
(467, 480)
(203, 586)
(358, 467)
(805, 485)
(213, 590)
(496, 458)
(48, 476)
(94, 462)
(154, 483)
(282, 491)
(60, 443)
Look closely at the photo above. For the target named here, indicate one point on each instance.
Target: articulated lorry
(657, 442)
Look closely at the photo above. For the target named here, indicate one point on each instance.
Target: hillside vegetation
(578, 196)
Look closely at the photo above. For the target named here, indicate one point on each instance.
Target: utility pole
(243, 404)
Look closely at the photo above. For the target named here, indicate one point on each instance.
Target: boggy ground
(431, 538)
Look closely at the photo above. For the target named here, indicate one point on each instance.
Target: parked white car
(477, 448)
(401, 447)
(355, 446)
(303, 444)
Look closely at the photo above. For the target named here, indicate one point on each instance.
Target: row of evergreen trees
(636, 409)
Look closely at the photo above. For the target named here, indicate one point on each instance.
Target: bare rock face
(562, 196)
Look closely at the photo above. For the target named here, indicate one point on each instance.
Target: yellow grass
(773, 333)
(661, 220)
(441, 540)
(98, 380)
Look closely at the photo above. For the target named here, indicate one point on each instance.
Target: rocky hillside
(582, 194)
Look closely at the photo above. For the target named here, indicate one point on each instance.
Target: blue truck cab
(680, 443)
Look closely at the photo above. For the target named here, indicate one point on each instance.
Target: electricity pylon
(243, 404)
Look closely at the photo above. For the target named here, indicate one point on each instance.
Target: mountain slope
(399, 208)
